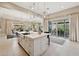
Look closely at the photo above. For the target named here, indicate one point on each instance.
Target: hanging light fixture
(33, 5)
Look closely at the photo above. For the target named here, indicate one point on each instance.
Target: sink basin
(25, 33)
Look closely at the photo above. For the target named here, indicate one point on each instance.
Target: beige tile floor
(10, 47)
(68, 49)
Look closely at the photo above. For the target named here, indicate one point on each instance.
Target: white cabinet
(40, 45)
(43, 44)
(37, 50)
(34, 46)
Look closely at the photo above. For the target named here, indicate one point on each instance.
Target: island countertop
(36, 35)
(33, 35)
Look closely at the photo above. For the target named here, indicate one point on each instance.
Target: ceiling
(30, 11)
(14, 14)
(45, 8)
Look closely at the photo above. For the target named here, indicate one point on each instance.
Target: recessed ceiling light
(44, 16)
(32, 8)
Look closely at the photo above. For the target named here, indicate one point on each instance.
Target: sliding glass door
(59, 28)
(54, 28)
(66, 34)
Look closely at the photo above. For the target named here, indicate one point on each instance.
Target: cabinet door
(30, 46)
(40, 45)
(37, 47)
(43, 44)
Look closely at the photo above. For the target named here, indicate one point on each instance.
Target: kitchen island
(34, 44)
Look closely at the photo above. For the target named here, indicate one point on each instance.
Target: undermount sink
(25, 33)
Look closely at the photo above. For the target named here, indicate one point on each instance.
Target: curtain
(73, 28)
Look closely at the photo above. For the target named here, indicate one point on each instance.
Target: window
(59, 28)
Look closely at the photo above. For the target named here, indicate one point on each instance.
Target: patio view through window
(59, 28)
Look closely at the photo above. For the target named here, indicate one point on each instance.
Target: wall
(3, 26)
(73, 16)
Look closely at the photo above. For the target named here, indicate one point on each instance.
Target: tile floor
(10, 47)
